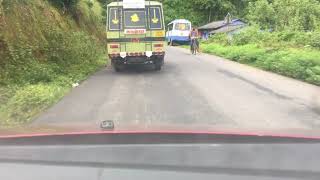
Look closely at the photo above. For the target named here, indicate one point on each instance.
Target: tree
(292, 15)
(297, 15)
(215, 9)
(262, 14)
(66, 5)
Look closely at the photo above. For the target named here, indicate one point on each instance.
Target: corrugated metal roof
(212, 25)
(220, 24)
(227, 28)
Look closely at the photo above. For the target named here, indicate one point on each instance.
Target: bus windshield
(182, 27)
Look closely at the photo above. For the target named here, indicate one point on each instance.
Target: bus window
(115, 18)
(170, 27)
(182, 27)
(155, 18)
(134, 19)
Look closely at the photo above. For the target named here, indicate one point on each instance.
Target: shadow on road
(143, 69)
(132, 69)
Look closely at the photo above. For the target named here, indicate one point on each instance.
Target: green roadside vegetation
(276, 52)
(281, 36)
(46, 47)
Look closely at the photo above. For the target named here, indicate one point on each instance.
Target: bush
(71, 48)
(74, 53)
(22, 67)
(283, 39)
(42, 53)
(287, 64)
(313, 75)
(29, 101)
(90, 3)
(315, 40)
(299, 64)
(248, 36)
(69, 58)
(244, 54)
(65, 54)
(65, 4)
(218, 38)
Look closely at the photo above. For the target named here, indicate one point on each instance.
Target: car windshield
(74, 66)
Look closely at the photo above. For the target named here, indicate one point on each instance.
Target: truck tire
(158, 67)
(158, 64)
(117, 68)
(115, 65)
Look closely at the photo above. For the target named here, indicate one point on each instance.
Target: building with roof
(224, 26)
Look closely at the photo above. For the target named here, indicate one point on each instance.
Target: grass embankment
(45, 49)
(293, 54)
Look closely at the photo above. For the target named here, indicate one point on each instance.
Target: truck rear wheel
(115, 65)
(117, 68)
(158, 63)
(158, 67)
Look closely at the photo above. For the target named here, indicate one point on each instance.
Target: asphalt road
(202, 91)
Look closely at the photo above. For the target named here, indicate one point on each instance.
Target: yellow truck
(135, 34)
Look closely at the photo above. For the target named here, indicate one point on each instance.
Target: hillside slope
(45, 49)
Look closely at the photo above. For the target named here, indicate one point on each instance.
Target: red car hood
(47, 130)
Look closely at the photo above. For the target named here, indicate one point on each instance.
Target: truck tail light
(114, 46)
(158, 45)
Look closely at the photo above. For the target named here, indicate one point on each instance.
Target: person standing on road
(193, 36)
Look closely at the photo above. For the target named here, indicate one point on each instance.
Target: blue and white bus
(178, 31)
